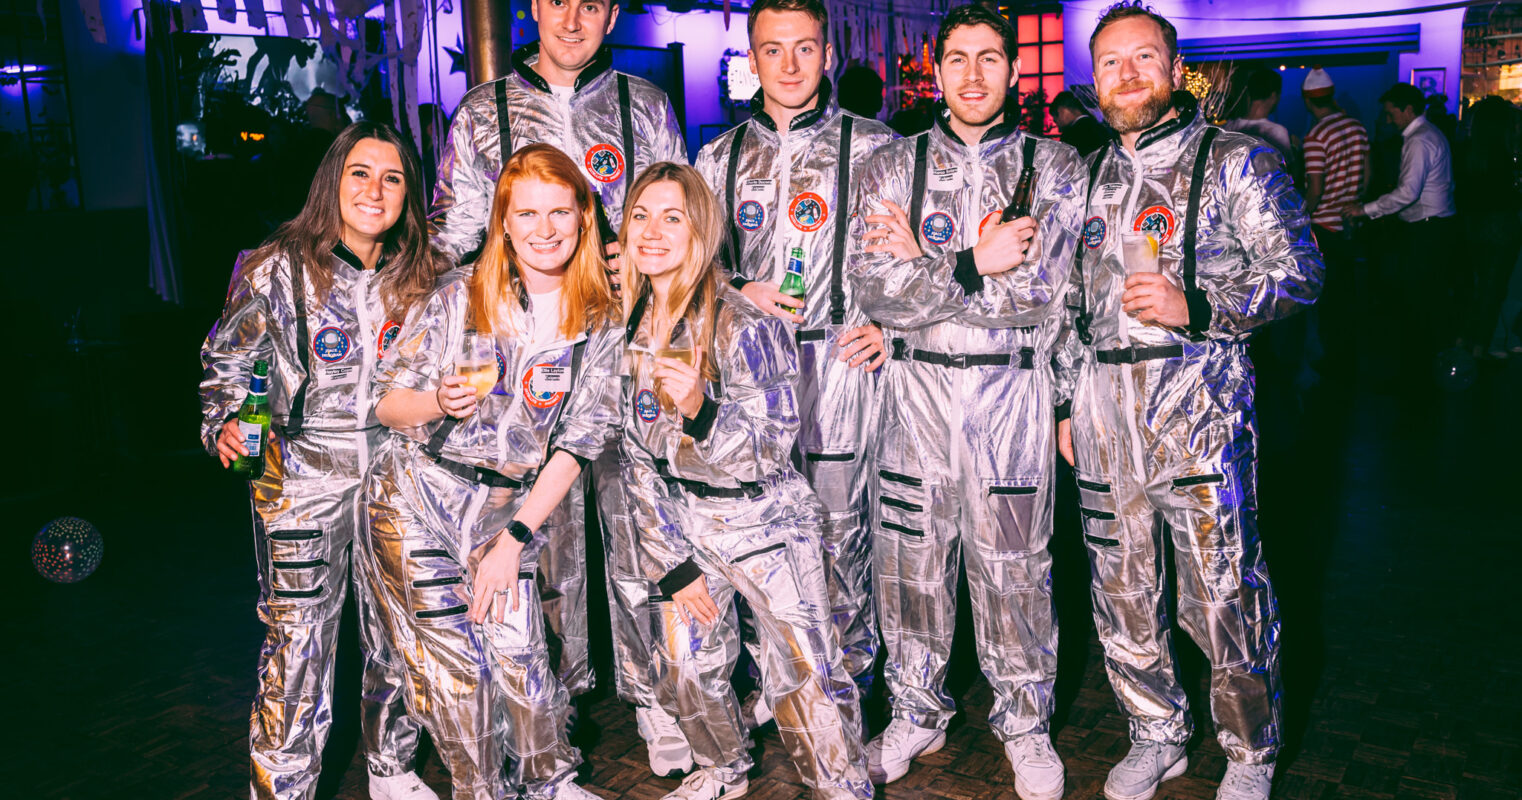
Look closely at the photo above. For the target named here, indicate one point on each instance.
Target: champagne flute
(477, 363)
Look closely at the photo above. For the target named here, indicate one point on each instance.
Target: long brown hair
(695, 292)
(412, 264)
(586, 301)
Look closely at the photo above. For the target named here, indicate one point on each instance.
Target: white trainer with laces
(669, 752)
(1148, 764)
(1039, 774)
(406, 786)
(705, 785)
(1246, 782)
(570, 791)
(888, 755)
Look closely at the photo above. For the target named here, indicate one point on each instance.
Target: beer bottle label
(253, 437)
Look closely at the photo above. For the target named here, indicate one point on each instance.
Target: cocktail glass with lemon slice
(1138, 251)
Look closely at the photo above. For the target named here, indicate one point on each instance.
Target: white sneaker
(406, 786)
(755, 711)
(669, 752)
(1246, 782)
(704, 785)
(888, 755)
(1039, 774)
(1148, 764)
(570, 791)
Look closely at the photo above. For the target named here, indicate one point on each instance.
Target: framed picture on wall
(1430, 80)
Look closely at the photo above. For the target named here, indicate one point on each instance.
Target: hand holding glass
(477, 363)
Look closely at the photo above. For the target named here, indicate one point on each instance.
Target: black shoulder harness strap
(1192, 216)
(297, 415)
(731, 175)
(626, 122)
(1082, 321)
(504, 128)
(917, 194)
(842, 215)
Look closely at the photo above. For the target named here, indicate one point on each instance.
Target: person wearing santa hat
(1336, 173)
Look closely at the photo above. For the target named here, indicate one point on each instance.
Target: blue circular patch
(646, 405)
(1094, 232)
(938, 228)
(501, 373)
(331, 344)
(750, 215)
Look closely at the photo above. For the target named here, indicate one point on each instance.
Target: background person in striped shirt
(1336, 174)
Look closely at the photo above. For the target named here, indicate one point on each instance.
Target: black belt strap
(480, 475)
(1082, 321)
(902, 352)
(297, 414)
(731, 175)
(702, 489)
(842, 214)
(917, 194)
(504, 129)
(626, 121)
(1192, 216)
(816, 335)
(1135, 355)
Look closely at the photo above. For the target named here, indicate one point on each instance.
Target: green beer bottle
(254, 424)
(792, 285)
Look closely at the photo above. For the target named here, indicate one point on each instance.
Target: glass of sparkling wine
(682, 354)
(477, 363)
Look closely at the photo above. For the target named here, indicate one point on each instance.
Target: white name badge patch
(551, 379)
(1108, 194)
(945, 178)
(762, 190)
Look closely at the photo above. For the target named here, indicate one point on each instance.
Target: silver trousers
(308, 516)
(1189, 463)
(806, 685)
(488, 694)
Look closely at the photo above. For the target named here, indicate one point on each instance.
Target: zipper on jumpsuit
(784, 201)
(960, 376)
(1127, 371)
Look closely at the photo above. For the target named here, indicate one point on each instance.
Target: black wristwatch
(522, 533)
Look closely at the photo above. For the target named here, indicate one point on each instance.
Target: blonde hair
(586, 301)
(694, 292)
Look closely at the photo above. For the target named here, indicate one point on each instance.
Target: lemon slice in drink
(1155, 244)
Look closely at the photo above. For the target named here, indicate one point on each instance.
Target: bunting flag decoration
(295, 25)
(227, 10)
(255, 11)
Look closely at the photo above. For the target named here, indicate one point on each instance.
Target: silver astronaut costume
(308, 508)
(608, 115)
(431, 521)
(1163, 423)
(761, 180)
(717, 497)
(965, 456)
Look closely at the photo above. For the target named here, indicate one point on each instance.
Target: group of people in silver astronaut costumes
(831, 460)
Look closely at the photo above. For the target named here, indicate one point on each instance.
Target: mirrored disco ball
(67, 550)
(1455, 369)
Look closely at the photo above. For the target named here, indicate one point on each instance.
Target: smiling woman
(313, 303)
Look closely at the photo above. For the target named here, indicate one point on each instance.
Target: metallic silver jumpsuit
(487, 692)
(608, 115)
(1163, 423)
(717, 497)
(966, 453)
(768, 174)
(308, 509)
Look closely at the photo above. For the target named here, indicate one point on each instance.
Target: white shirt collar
(1414, 123)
